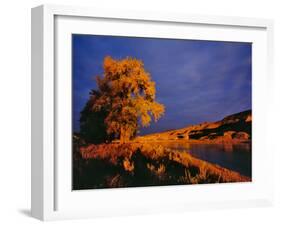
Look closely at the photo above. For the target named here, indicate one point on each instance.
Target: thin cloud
(196, 80)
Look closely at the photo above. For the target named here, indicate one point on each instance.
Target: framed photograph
(137, 112)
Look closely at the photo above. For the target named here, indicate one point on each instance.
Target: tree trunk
(123, 135)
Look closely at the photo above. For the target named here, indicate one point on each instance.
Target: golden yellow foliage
(127, 92)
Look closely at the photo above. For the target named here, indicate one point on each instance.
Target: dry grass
(137, 164)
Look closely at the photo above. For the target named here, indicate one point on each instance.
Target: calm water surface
(237, 157)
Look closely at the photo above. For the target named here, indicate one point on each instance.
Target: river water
(236, 157)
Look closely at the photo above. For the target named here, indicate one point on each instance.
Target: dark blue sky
(197, 81)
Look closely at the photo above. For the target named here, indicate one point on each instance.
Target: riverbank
(142, 164)
(235, 128)
(191, 141)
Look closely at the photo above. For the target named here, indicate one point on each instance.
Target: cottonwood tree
(92, 126)
(126, 94)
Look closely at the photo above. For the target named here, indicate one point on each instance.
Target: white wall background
(15, 112)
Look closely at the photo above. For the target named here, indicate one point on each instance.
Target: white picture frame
(52, 197)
